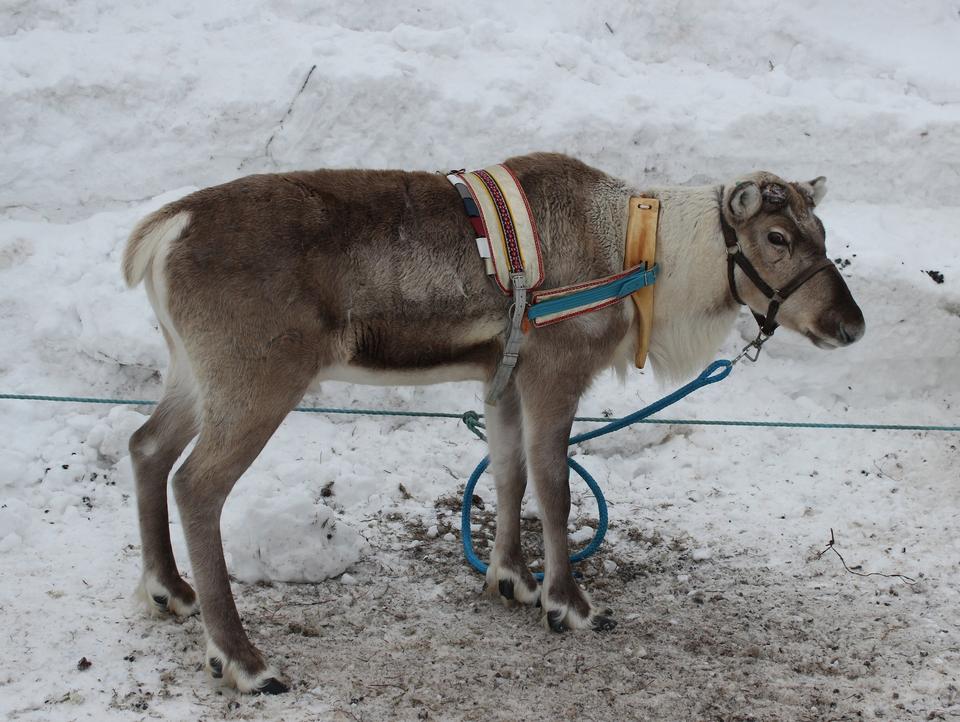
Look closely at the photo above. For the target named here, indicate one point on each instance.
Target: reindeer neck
(693, 311)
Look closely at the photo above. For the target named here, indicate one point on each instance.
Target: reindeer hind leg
(238, 420)
(154, 449)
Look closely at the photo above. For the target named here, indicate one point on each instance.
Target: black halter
(776, 297)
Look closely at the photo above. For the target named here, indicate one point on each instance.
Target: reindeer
(269, 284)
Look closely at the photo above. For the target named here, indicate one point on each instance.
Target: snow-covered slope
(111, 109)
(105, 103)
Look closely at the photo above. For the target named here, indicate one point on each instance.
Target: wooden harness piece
(641, 247)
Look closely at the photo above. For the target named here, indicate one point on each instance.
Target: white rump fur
(145, 260)
(156, 230)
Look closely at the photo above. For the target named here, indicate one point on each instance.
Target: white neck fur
(692, 310)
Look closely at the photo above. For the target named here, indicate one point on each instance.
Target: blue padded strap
(617, 288)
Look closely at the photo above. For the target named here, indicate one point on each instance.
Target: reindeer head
(781, 237)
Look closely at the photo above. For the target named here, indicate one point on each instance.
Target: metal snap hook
(756, 345)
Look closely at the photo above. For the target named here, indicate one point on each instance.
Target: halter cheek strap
(736, 257)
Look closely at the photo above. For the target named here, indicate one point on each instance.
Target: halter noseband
(776, 297)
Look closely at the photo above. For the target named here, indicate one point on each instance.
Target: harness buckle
(734, 249)
(511, 349)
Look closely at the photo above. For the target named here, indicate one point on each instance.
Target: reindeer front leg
(549, 405)
(508, 575)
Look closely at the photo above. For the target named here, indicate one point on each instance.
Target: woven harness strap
(509, 245)
(735, 257)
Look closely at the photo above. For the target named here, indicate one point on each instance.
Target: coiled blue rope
(717, 371)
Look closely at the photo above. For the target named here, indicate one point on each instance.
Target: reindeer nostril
(848, 333)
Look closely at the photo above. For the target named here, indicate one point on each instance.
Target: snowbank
(112, 109)
(139, 98)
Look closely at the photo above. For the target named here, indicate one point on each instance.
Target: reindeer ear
(819, 186)
(745, 200)
(814, 190)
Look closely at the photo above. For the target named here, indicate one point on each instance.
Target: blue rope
(472, 418)
(717, 371)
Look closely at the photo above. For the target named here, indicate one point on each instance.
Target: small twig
(883, 637)
(884, 473)
(402, 689)
(609, 28)
(283, 605)
(266, 148)
(830, 546)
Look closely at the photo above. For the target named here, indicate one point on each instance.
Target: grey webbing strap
(511, 350)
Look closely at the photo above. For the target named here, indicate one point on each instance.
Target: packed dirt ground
(410, 635)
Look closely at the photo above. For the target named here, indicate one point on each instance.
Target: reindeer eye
(776, 238)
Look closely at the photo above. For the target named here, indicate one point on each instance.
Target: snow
(701, 554)
(581, 535)
(289, 537)
(112, 109)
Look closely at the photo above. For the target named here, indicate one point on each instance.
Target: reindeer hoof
(158, 599)
(567, 606)
(602, 623)
(512, 585)
(237, 671)
(555, 621)
(272, 686)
